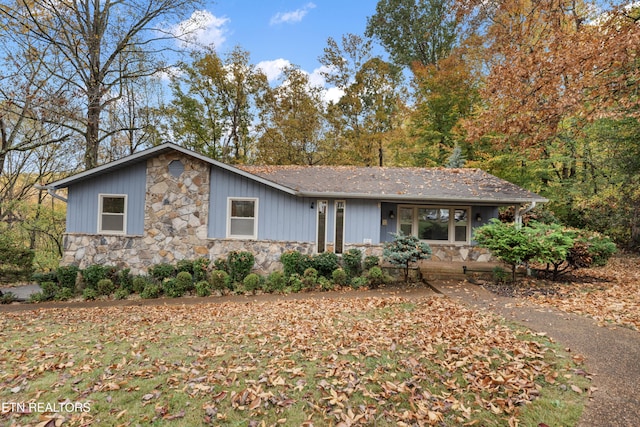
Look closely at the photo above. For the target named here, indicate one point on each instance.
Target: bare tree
(91, 46)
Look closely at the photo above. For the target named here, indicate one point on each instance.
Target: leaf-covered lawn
(363, 361)
(609, 294)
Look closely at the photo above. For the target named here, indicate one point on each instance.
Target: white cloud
(168, 73)
(202, 28)
(294, 16)
(332, 94)
(273, 69)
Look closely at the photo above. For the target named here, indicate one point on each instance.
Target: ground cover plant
(382, 361)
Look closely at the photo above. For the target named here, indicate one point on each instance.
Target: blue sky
(281, 32)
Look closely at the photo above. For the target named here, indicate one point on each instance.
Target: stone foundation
(139, 253)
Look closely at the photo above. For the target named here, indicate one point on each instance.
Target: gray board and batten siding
(83, 199)
(285, 217)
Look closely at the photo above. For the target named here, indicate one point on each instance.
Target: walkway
(612, 354)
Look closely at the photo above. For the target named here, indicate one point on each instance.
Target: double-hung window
(242, 220)
(437, 224)
(112, 213)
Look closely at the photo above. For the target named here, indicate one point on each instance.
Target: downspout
(520, 212)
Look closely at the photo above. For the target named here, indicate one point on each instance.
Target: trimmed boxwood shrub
(371, 261)
(184, 281)
(93, 274)
(139, 283)
(67, 276)
(121, 293)
(172, 288)
(339, 277)
(89, 294)
(64, 294)
(162, 271)
(219, 280)
(294, 262)
(105, 287)
(251, 282)
(152, 290)
(203, 288)
(352, 262)
(276, 282)
(325, 263)
(240, 264)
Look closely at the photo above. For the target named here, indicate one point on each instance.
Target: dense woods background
(543, 93)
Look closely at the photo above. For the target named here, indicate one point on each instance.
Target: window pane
(113, 222)
(406, 221)
(461, 224)
(242, 208)
(113, 204)
(433, 224)
(241, 227)
(339, 240)
(322, 225)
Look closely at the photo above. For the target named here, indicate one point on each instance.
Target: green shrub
(93, 274)
(294, 262)
(7, 298)
(121, 293)
(325, 284)
(184, 280)
(124, 280)
(376, 277)
(64, 294)
(221, 264)
(276, 282)
(184, 265)
(203, 288)
(352, 262)
(295, 282)
(50, 276)
(251, 282)
(49, 290)
(67, 276)
(240, 264)
(162, 271)
(152, 290)
(325, 263)
(500, 275)
(38, 297)
(200, 268)
(339, 277)
(359, 282)
(139, 283)
(600, 247)
(219, 280)
(105, 287)
(89, 294)
(310, 278)
(371, 261)
(172, 288)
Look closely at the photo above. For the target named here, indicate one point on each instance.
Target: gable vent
(176, 168)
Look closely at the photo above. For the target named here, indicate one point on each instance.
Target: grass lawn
(343, 361)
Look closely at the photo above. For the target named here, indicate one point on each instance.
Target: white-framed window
(112, 213)
(436, 224)
(321, 231)
(242, 218)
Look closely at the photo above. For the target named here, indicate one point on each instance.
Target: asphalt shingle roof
(395, 183)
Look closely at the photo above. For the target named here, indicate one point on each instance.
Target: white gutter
(51, 192)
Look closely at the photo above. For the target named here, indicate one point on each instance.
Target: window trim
(230, 201)
(451, 225)
(101, 197)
